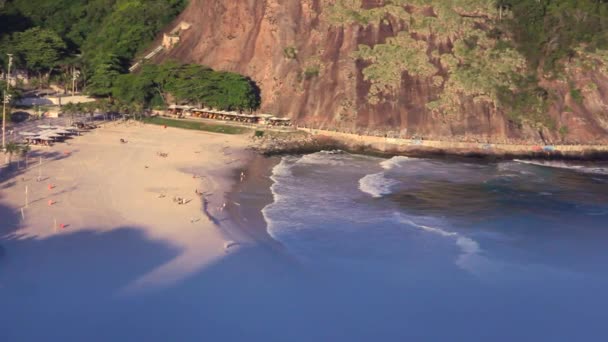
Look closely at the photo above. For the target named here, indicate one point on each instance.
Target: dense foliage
(101, 37)
(547, 31)
(187, 84)
(82, 32)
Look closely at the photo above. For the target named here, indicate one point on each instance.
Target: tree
(10, 149)
(105, 74)
(69, 109)
(89, 108)
(24, 151)
(39, 50)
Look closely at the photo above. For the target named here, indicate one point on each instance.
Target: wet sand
(250, 194)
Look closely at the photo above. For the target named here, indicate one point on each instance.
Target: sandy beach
(95, 183)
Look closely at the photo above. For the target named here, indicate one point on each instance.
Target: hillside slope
(415, 67)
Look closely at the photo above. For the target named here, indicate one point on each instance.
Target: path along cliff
(404, 67)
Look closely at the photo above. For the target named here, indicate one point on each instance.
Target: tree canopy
(89, 29)
(38, 49)
(187, 84)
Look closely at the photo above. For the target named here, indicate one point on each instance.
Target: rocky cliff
(415, 68)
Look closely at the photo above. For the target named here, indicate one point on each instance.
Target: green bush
(577, 96)
(290, 52)
(311, 72)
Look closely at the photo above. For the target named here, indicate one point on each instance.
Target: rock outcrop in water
(444, 70)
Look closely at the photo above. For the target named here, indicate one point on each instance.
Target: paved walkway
(388, 144)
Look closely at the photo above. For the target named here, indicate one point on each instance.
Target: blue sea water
(519, 248)
(398, 249)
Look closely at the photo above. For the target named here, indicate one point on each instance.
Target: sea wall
(397, 146)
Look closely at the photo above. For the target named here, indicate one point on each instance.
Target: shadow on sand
(10, 172)
(69, 287)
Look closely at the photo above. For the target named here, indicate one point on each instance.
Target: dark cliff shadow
(68, 287)
(65, 283)
(9, 223)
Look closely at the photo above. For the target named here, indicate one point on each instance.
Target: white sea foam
(377, 185)
(395, 162)
(323, 158)
(282, 169)
(280, 172)
(565, 165)
(469, 258)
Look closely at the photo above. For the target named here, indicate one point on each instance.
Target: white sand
(101, 184)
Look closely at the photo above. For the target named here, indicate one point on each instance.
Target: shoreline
(248, 198)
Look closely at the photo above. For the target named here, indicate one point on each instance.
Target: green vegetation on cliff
(488, 51)
(81, 33)
(186, 84)
(101, 37)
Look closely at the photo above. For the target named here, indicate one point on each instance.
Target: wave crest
(395, 162)
(564, 165)
(377, 185)
(469, 258)
(323, 158)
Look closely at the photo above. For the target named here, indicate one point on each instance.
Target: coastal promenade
(386, 144)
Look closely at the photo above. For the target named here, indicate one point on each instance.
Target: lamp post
(75, 74)
(5, 100)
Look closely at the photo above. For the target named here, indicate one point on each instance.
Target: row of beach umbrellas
(50, 133)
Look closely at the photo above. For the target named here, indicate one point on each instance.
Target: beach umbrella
(45, 126)
(28, 134)
(49, 134)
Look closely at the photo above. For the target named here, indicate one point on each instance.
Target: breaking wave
(323, 158)
(377, 185)
(567, 166)
(469, 258)
(282, 169)
(395, 162)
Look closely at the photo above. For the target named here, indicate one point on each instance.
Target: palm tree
(70, 109)
(25, 149)
(138, 109)
(103, 106)
(9, 150)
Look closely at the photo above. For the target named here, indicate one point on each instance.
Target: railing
(151, 55)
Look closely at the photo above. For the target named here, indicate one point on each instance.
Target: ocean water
(373, 250)
(518, 247)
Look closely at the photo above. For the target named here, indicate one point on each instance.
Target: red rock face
(305, 69)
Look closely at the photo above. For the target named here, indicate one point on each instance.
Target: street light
(75, 75)
(6, 100)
